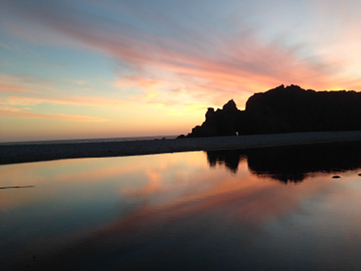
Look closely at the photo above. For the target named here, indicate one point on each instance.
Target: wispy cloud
(12, 88)
(22, 83)
(173, 56)
(9, 109)
(6, 111)
(204, 60)
(26, 90)
(71, 100)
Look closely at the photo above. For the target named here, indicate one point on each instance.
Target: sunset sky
(95, 69)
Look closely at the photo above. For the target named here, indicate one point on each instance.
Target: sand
(32, 152)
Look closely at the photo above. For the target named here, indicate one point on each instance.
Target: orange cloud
(14, 112)
(14, 88)
(9, 108)
(22, 83)
(70, 100)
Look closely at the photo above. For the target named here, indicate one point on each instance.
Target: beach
(32, 152)
(195, 210)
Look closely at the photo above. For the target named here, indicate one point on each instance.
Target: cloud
(17, 113)
(71, 100)
(28, 90)
(9, 109)
(208, 62)
(21, 83)
(11, 88)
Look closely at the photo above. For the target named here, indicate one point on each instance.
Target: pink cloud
(207, 67)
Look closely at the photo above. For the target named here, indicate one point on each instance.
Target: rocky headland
(283, 109)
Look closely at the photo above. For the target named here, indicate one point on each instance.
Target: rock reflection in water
(291, 164)
(230, 158)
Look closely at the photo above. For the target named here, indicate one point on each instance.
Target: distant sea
(91, 140)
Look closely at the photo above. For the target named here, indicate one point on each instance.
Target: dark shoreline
(20, 153)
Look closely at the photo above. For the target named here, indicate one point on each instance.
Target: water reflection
(175, 212)
(291, 164)
(228, 158)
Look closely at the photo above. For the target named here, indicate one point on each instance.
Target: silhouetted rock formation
(285, 110)
(222, 122)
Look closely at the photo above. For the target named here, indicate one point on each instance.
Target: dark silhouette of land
(292, 164)
(16, 187)
(285, 110)
(283, 116)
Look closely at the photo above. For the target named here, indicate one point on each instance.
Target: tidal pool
(267, 209)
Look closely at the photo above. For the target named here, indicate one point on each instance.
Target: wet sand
(32, 152)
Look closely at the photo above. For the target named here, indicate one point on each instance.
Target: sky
(76, 69)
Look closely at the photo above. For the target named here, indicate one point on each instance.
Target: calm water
(275, 209)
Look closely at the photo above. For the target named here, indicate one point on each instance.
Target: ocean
(90, 140)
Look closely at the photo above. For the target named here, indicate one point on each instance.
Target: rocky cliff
(283, 110)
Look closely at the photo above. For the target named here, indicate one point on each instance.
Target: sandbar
(44, 151)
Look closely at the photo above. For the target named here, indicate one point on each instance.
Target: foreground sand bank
(18, 152)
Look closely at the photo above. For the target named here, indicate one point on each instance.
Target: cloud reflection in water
(175, 212)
